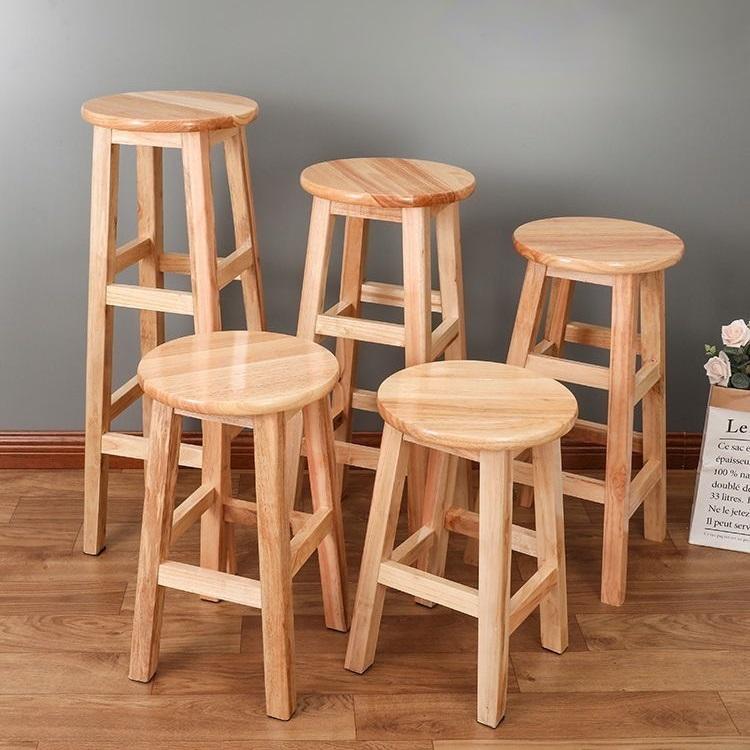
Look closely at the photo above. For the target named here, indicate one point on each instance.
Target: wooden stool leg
(439, 489)
(148, 160)
(321, 461)
(243, 215)
(550, 542)
(418, 325)
(495, 526)
(653, 340)
(450, 273)
(275, 566)
(381, 532)
(104, 174)
(560, 297)
(199, 205)
(216, 471)
(619, 440)
(311, 305)
(352, 276)
(525, 329)
(156, 529)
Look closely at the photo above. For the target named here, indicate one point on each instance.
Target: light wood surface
(659, 673)
(169, 111)
(387, 182)
(476, 405)
(598, 245)
(238, 373)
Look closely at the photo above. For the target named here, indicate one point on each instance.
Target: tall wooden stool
(631, 258)
(152, 120)
(411, 193)
(484, 412)
(227, 377)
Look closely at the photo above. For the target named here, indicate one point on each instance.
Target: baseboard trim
(64, 450)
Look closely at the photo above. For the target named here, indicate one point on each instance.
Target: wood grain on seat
(238, 373)
(476, 405)
(170, 111)
(598, 245)
(388, 182)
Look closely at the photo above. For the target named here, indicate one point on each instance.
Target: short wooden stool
(631, 258)
(412, 193)
(152, 120)
(484, 412)
(226, 378)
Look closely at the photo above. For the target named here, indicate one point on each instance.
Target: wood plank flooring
(668, 670)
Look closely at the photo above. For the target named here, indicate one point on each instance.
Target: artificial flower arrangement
(730, 367)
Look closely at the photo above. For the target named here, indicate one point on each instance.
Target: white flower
(718, 369)
(735, 334)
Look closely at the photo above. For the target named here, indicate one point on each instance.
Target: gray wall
(624, 108)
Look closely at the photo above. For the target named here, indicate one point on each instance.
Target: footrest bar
(527, 598)
(190, 510)
(136, 446)
(430, 587)
(410, 549)
(310, 535)
(210, 584)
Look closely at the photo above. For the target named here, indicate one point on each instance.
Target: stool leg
(525, 329)
(199, 206)
(560, 297)
(243, 216)
(352, 276)
(104, 174)
(321, 461)
(275, 566)
(148, 160)
(216, 471)
(654, 404)
(440, 485)
(381, 532)
(495, 526)
(311, 305)
(619, 440)
(418, 325)
(156, 529)
(450, 272)
(550, 542)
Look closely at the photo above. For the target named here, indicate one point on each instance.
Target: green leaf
(740, 380)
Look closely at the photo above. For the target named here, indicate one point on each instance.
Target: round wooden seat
(597, 245)
(237, 373)
(388, 183)
(476, 405)
(170, 111)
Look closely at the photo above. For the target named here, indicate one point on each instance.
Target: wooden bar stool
(228, 377)
(486, 412)
(631, 258)
(409, 192)
(152, 120)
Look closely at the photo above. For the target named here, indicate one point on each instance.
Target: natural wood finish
(245, 229)
(135, 446)
(466, 522)
(321, 462)
(104, 174)
(274, 556)
(128, 393)
(598, 245)
(190, 510)
(437, 403)
(212, 585)
(238, 373)
(633, 258)
(495, 523)
(383, 182)
(372, 331)
(161, 477)
(132, 252)
(158, 300)
(653, 351)
(170, 111)
(619, 440)
(380, 293)
(381, 531)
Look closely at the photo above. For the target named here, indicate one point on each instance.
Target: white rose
(718, 369)
(735, 334)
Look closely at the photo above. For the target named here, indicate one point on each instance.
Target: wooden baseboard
(64, 450)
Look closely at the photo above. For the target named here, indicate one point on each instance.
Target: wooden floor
(669, 669)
